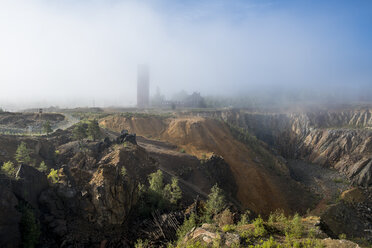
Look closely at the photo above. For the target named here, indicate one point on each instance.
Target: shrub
(79, 132)
(9, 169)
(270, 243)
(244, 219)
(158, 196)
(156, 181)
(277, 216)
(215, 202)
(141, 244)
(259, 228)
(225, 218)
(182, 150)
(123, 171)
(43, 167)
(228, 228)
(342, 236)
(23, 154)
(93, 130)
(186, 227)
(172, 191)
(53, 176)
(296, 227)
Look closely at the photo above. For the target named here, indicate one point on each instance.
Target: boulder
(339, 243)
(126, 137)
(208, 235)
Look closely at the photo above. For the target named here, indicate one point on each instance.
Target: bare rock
(29, 184)
(9, 219)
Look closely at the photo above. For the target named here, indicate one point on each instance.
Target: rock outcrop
(337, 139)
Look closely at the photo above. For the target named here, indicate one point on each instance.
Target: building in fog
(143, 86)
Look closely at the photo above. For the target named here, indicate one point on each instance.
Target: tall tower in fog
(143, 86)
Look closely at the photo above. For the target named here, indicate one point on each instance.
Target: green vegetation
(53, 175)
(158, 196)
(187, 225)
(29, 227)
(43, 167)
(172, 191)
(228, 228)
(182, 150)
(93, 130)
(123, 171)
(340, 180)
(342, 236)
(244, 218)
(216, 201)
(8, 168)
(259, 228)
(156, 182)
(23, 154)
(141, 244)
(47, 128)
(79, 132)
(278, 231)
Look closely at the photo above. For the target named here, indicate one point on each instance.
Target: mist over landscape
(85, 53)
(185, 124)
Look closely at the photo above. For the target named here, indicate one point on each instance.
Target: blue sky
(89, 49)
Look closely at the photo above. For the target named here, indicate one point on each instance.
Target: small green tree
(93, 130)
(79, 132)
(172, 191)
(43, 167)
(23, 154)
(123, 171)
(47, 128)
(156, 182)
(216, 201)
(53, 175)
(8, 168)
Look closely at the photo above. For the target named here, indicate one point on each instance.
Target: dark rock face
(126, 137)
(9, 219)
(29, 184)
(352, 216)
(217, 171)
(92, 203)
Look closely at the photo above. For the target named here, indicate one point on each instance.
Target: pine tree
(43, 167)
(23, 154)
(79, 132)
(176, 193)
(156, 181)
(216, 201)
(9, 169)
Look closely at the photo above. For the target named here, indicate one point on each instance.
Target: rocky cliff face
(338, 139)
(94, 198)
